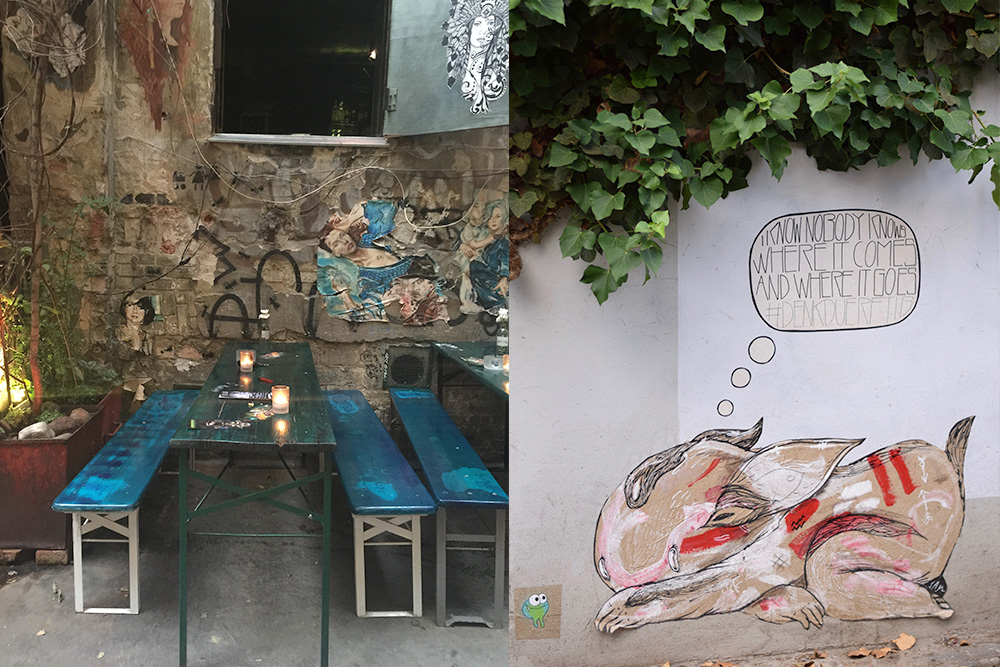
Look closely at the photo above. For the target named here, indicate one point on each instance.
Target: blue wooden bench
(385, 495)
(457, 479)
(108, 489)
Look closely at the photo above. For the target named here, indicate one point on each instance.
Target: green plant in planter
(621, 104)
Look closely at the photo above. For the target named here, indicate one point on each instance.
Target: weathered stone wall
(213, 232)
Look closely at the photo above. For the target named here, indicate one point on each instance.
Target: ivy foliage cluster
(620, 104)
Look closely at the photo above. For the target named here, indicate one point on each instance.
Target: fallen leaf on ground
(858, 653)
(40, 633)
(666, 664)
(100, 655)
(964, 642)
(880, 653)
(819, 654)
(904, 641)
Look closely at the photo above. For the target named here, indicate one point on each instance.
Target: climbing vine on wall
(620, 104)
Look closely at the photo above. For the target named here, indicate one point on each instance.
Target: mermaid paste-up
(381, 216)
(486, 271)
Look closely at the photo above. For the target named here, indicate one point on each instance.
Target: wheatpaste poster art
(475, 37)
(360, 274)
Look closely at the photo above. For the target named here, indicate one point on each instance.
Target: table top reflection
(245, 423)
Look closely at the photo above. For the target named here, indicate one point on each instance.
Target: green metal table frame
(268, 497)
(308, 430)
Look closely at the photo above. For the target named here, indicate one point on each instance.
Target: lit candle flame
(279, 399)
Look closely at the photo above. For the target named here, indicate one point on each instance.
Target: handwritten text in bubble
(835, 270)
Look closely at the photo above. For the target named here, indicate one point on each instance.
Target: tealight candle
(246, 361)
(279, 399)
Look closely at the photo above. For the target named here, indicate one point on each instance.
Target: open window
(302, 67)
(360, 68)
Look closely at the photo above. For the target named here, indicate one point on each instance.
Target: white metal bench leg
(498, 539)
(366, 528)
(86, 522)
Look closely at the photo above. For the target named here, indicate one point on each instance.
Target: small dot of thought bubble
(835, 270)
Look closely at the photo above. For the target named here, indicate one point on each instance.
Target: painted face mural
(362, 279)
(476, 37)
(484, 255)
(782, 533)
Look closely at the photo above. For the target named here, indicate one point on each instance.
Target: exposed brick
(52, 557)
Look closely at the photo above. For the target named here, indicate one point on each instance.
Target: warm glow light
(246, 360)
(281, 427)
(506, 363)
(17, 394)
(245, 382)
(506, 387)
(279, 399)
(373, 55)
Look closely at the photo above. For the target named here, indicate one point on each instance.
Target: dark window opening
(302, 67)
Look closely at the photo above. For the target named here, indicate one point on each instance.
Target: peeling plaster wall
(198, 221)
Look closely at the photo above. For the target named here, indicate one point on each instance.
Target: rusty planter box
(33, 472)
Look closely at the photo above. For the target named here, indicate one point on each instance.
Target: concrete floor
(251, 602)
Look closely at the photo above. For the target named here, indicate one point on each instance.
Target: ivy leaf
(967, 157)
(986, 43)
(706, 191)
(652, 258)
(738, 68)
(775, 149)
(560, 156)
(601, 282)
(618, 251)
(957, 121)
(956, 6)
(803, 79)
(886, 98)
(832, 119)
(995, 177)
(607, 121)
(671, 42)
(602, 202)
(620, 91)
(713, 39)
(575, 239)
(942, 140)
(642, 141)
(723, 132)
(651, 200)
(551, 9)
(887, 12)
(653, 119)
(697, 10)
(744, 12)
(810, 15)
(521, 204)
(863, 21)
(747, 127)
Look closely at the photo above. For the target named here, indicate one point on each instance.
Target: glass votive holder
(246, 359)
(506, 364)
(279, 399)
(493, 362)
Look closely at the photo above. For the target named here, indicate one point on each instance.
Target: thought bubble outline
(752, 272)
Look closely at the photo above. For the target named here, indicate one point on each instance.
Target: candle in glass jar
(246, 360)
(279, 399)
(506, 363)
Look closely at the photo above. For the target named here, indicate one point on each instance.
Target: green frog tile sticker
(535, 608)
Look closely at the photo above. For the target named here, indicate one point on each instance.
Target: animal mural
(359, 274)
(476, 38)
(782, 533)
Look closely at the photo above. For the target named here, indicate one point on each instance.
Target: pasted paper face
(538, 612)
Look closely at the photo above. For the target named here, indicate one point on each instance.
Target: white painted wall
(596, 389)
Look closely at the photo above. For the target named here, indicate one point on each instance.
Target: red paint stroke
(808, 542)
(711, 467)
(711, 538)
(767, 604)
(904, 473)
(798, 516)
(882, 478)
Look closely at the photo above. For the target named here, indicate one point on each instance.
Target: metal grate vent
(407, 367)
